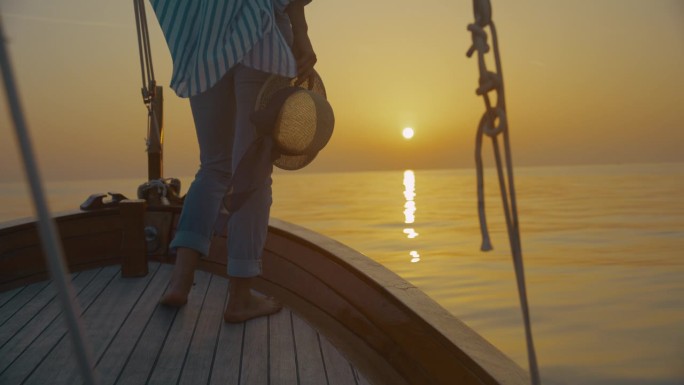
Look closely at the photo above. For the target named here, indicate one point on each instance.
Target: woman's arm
(301, 47)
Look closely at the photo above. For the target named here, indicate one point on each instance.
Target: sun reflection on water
(415, 257)
(410, 210)
(410, 233)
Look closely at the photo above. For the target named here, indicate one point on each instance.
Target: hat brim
(294, 162)
(272, 85)
(276, 82)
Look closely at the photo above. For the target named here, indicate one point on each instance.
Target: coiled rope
(51, 242)
(494, 123)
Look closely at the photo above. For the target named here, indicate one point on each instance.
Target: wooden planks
(228, 356)
(198, 361)
(34, 321)
(254, 367)
(310, 365)
(282, 352)
(136, 340)
(6, 296)
(114, 358)
(338, 370)
(142, 359)
(52, 333)
(19, 300)
(173, 352)
(101, 320)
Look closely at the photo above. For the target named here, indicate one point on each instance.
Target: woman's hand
(305, 56)
(301, 48)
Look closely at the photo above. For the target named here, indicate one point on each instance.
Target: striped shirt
(208, 37)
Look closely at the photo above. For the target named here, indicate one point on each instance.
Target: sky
(587, 82)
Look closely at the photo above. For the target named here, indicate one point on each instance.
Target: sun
(407, 133)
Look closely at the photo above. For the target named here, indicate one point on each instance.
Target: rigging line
(149, 86)
(46, 227)
(144, 49)
(493, 123)
(146, 40)
(140, 45)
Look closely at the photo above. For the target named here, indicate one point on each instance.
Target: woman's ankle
(182, 277)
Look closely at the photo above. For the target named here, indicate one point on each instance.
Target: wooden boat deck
(391, 331)
(134, 340)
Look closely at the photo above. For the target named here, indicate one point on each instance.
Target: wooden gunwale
(386, 327)
(411, 332)
(90, 239)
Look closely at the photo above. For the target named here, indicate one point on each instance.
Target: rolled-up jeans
(224, 133)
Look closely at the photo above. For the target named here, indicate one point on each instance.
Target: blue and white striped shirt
(208, 37)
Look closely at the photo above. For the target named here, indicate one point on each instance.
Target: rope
(493, 124)
(149, 84)
(159, 186)
(146, 68)
(46, 227)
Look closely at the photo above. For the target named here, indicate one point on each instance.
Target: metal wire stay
(49, 235)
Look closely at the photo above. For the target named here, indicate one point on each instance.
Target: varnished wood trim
(89, 239)
(133, 245)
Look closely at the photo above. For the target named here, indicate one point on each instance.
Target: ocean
(603, 248)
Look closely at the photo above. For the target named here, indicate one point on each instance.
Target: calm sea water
(603, 249)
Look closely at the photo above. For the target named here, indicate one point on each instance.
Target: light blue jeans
(224, 132)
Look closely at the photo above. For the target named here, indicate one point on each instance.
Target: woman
(223, 51)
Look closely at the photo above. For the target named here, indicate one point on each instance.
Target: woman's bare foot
(243, 305)
(256, 307)
(182, 278)
(175, 298)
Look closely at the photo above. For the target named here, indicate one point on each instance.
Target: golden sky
(586, 82)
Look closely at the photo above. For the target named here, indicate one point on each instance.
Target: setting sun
(407, 133)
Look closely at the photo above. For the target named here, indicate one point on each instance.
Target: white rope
(160, 186)
(50, 238)
(494, 123)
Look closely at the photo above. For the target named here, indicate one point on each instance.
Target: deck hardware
(152, 239)
(98, 202)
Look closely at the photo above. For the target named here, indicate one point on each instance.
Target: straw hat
(299, 119)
